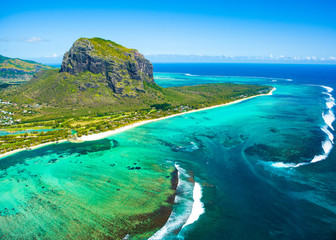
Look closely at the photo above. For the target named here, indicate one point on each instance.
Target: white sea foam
(280, 79)
(329, 89)
(283, 165)
(330, 104)
(329, 118)
(318, 158)
(198, 208)
(330, 96)
(182, 209)
(165, 78)
(288, 165)
(193, 146)
(191, 75)
(329, 134)
(327, 145)
(302, 164)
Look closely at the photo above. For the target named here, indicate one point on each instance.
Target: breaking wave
(327, 145)
(197, 209)
(189, 148)
(191, 75)
(186, 210)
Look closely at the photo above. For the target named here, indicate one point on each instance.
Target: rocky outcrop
(125, 69)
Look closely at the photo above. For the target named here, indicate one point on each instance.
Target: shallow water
(266, 163)
(3, 133)
(97, 187)
(253, 161)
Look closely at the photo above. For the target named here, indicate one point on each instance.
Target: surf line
(327, 145)
(185, 211)
(198, 207)
(328, 118)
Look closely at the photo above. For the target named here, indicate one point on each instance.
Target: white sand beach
(98, 136)
(31, 148)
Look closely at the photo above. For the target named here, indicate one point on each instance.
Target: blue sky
(45, 30)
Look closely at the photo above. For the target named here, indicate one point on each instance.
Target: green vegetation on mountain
(15, 70)
(107, 48)
(88, 91)
(94, 115)
(123, 70)
(102, 86)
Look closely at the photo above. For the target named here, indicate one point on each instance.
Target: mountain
(94, 73)
(101, 86)
(102, 76)
(125, 69)
(15, 70)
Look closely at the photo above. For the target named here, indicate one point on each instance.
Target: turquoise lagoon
(3, 133)
(263, 168)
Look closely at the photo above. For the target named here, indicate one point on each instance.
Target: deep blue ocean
(302, 73)
(264, 168)
(269, 163)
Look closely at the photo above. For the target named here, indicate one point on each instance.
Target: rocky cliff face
(125, 69)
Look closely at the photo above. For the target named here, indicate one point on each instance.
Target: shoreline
(97, 136)
(32, 148)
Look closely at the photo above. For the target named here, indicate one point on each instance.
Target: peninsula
(102, 88)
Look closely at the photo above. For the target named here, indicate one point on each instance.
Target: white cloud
(34, 39)
(54, 55)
